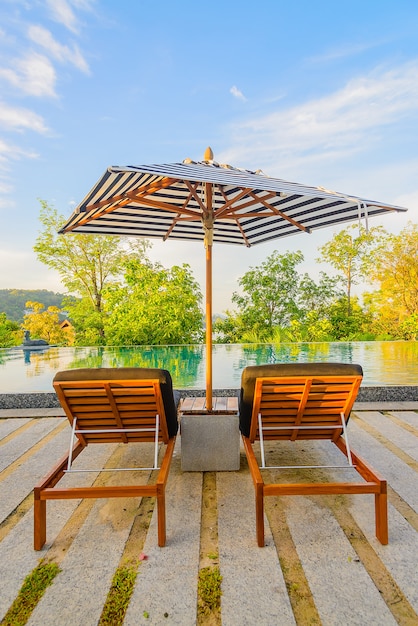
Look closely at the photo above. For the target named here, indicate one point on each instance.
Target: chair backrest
(118, 399)
(297, 394)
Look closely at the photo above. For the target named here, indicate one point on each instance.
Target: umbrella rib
(244, 236)
(228, 206)
(228, 210)
(278, 212)
(167, 207)
(147, 189)
(193, 193)
(102, 203)
(171, 228)
(90, 218)
(146, 201)
(179, 217)
(255, 200)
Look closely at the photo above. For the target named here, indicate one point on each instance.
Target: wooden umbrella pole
(208, 228)
(209, 327)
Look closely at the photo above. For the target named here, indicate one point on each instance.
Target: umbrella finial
(208, 156)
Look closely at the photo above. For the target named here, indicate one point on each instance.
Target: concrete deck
(321, 564)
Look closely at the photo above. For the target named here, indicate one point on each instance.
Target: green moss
(31, 592)
(209, 590)
(119, 595)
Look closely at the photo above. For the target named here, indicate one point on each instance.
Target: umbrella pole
(207, 221)
(209, 327)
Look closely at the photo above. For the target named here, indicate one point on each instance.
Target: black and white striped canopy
(185, 200)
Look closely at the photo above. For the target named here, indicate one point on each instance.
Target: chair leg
(39, 517)
(161, 518)
(259, 490)
(381, 510)
(259, 515)
(160, 485)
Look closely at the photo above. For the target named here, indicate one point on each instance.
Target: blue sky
(321, 93)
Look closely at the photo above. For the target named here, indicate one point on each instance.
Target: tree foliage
(395, 268)
(278, 304)
(155, 306)
(318, 296)
(350, 255)
(348, 326)
(270, 293)
(229, 329)
(10, 333)
(87, 265)
(45, 323)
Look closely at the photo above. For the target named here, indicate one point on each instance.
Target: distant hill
(12, 301)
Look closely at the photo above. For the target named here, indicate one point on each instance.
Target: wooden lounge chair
(107, 405)
(296, 401)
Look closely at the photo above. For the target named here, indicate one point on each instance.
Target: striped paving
(321, 564)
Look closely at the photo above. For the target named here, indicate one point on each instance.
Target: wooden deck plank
(220, 404)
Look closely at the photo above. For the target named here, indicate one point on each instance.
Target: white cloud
(237, 93)
(63, 14)
(44, 38)
(326, 128)
(16, 118)
(62, 11)
(345, 51)
(85, 5)
(5, 188)
(6, 203)
(33, 74)
(9, 151)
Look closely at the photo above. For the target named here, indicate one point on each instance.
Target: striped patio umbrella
(213, 203)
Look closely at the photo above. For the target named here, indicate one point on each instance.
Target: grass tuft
(30, 593)
(119, 595)
(209, 590)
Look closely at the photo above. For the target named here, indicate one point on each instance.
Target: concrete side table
(210, 443)
(210, 440)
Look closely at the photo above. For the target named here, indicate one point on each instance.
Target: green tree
(351, 255)
(394, 267)
(318, 296)
(87, 265)
(44, 324)
(349, 327)
(10, 333)
(408, 328)
(384, 318)
(270, 293)
(88, 322)
(156, 306)
(229, 329)
(312, 328)
(315, 299)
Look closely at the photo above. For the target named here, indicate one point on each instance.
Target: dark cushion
(252, 372)
(170, 398)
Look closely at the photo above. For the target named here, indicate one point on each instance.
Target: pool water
(384, 363)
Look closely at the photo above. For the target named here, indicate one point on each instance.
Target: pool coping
(389, 393)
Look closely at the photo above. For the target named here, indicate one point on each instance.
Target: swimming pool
(384, 362)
